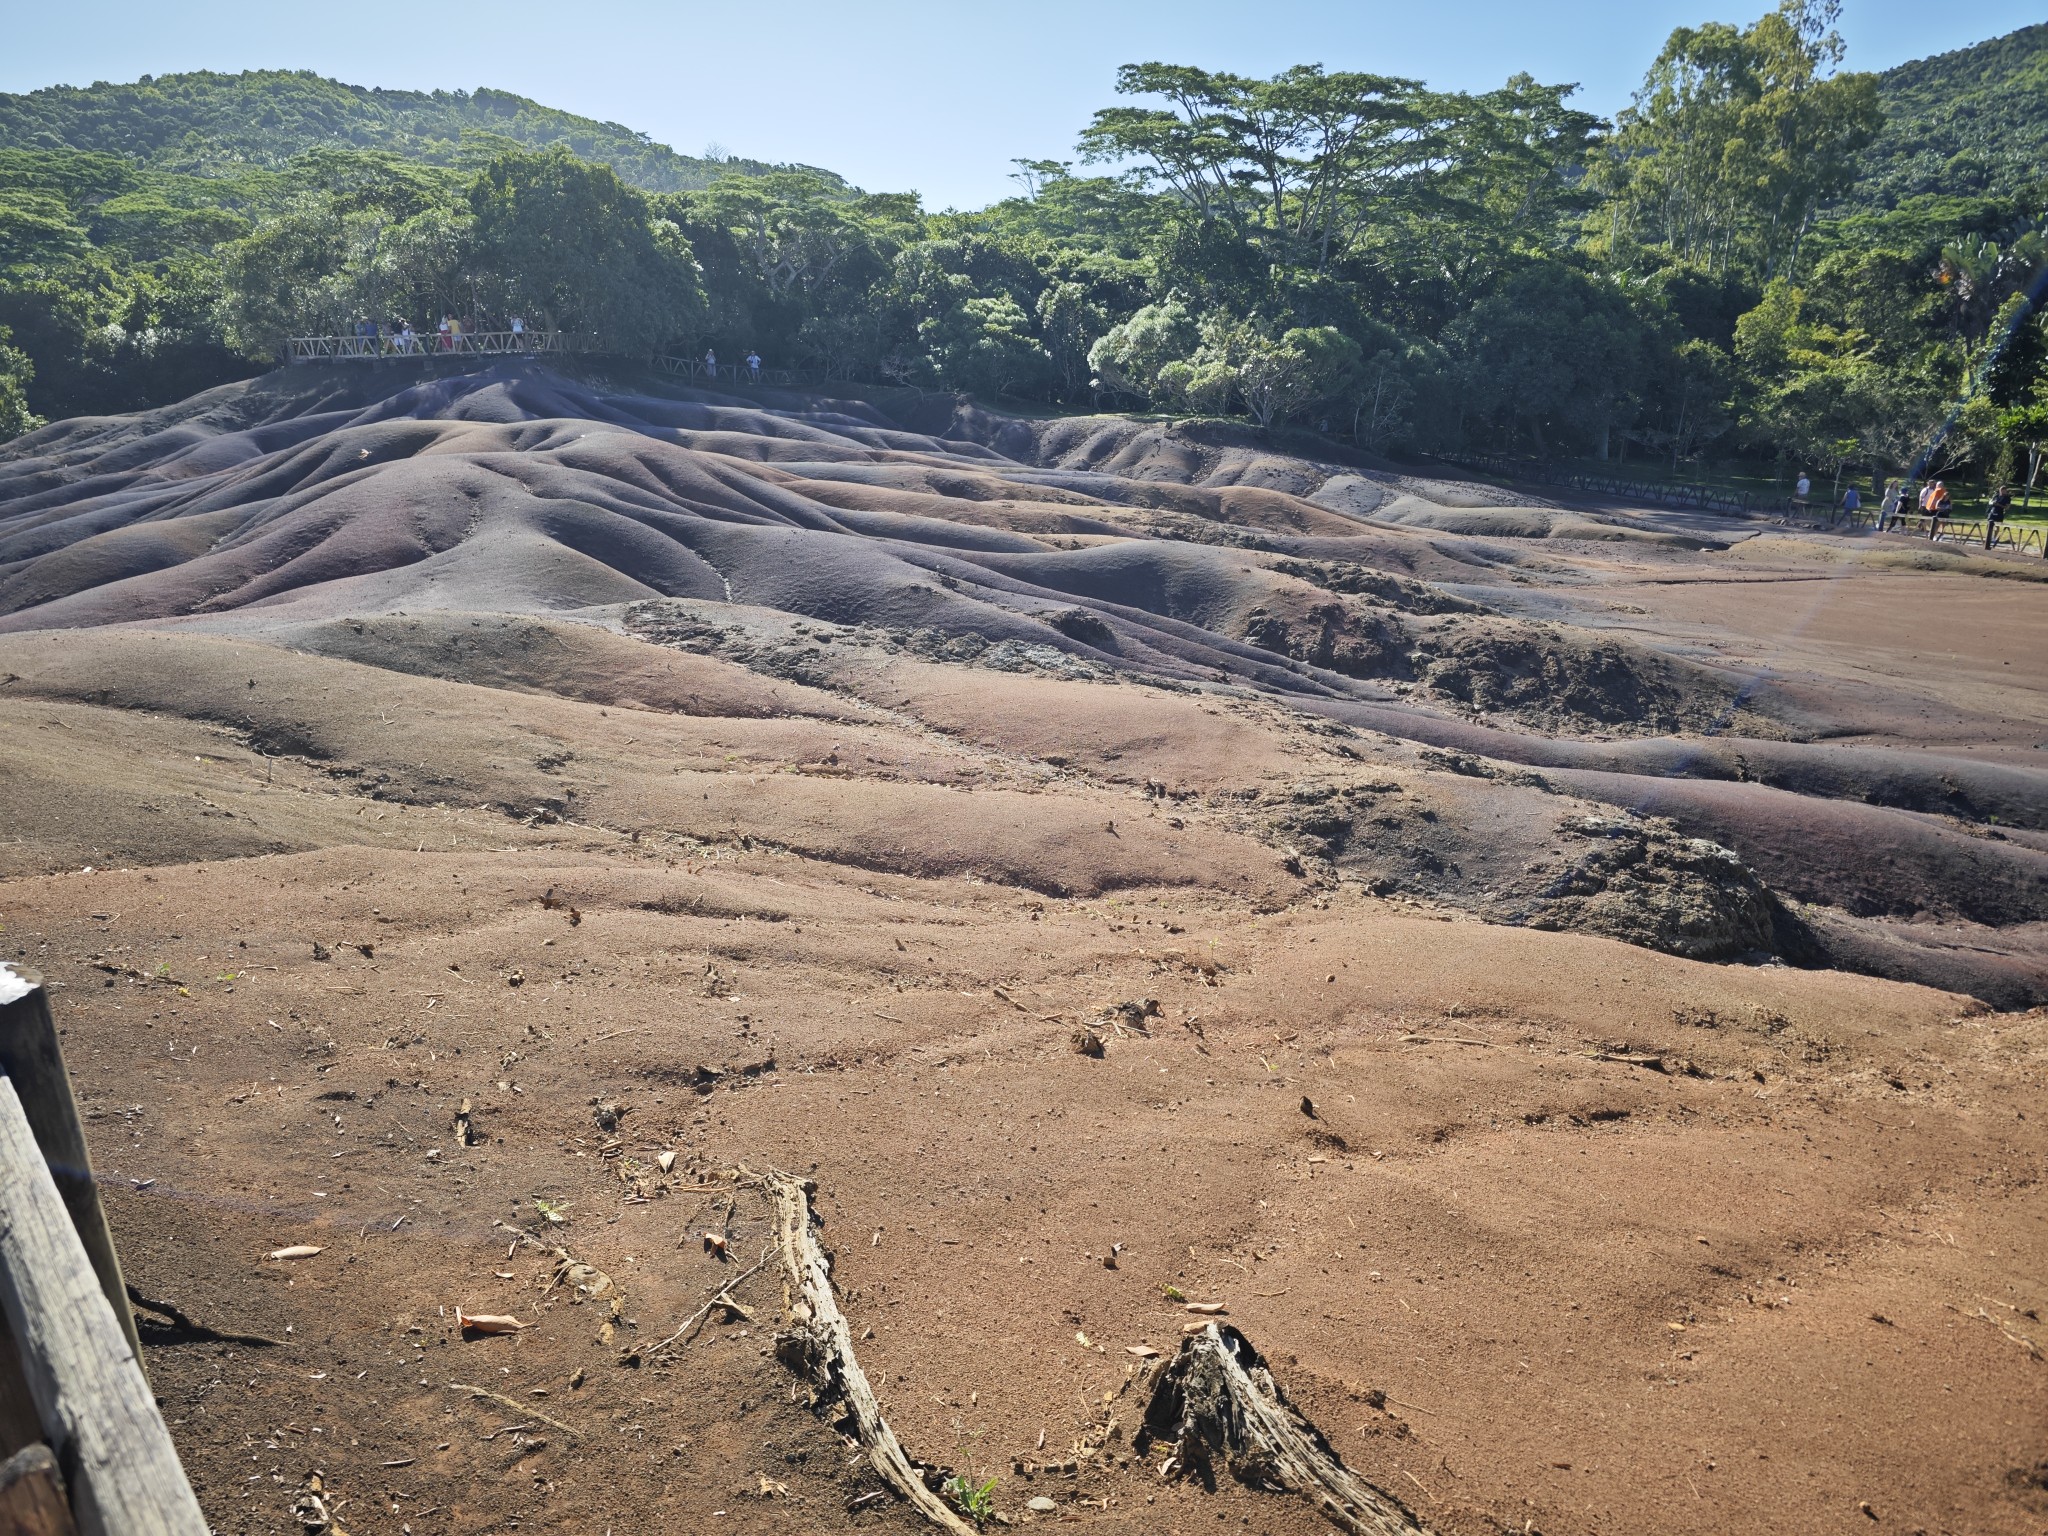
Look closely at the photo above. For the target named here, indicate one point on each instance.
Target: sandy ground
(1545, 1230)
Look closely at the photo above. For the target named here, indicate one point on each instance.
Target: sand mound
(795, 558)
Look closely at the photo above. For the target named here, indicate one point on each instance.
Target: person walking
(1888, 507)
(1852, 502)
(753, 366)
(1994, 517)
(1801, 491)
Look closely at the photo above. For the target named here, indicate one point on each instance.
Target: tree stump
(1218, 1405)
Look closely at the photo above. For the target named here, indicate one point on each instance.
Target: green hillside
(210, 124)
(1972, 121)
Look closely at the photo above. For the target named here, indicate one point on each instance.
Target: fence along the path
(384, 347)
(1665, 493)
(739, 373)
(1970, 530)
(66, 1349)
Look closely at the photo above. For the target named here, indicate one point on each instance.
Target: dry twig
(524, 1408)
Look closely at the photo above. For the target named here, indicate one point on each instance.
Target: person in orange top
(1937, 508)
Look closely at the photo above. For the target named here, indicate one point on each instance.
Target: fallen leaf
(1209, 1308)
(487, 1322)
(296, 1251)
(666, 1160)
(1142, 1351)
(1082, 1340)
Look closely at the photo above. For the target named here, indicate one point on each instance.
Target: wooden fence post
(96, 1409)
(32, 1496)
(31, 1056)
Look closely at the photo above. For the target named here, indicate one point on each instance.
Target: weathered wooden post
(31, 1056)
(80, 1366)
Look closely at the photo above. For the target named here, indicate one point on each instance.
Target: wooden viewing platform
(302, 349)
(385, 347)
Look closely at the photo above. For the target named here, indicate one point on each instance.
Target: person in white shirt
(754, 366)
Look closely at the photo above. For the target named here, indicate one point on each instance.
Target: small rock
(1039, 1504)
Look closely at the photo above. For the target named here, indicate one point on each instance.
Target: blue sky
(914, 95)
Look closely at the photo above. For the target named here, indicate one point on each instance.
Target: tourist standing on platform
(754, 366)
(1994, 517)
(710, 364)
(518, 334)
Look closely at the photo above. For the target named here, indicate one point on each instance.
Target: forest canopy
(1763, 257)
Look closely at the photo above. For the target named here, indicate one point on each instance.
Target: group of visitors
(1937, 505)
(453, 334)
(753, 364)
(1934, 502)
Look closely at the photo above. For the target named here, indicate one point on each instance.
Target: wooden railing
(2021, 538)
(1955, 528)
(739, 373)
(367, 348)
(69, 1347)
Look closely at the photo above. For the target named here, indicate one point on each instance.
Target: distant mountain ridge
(1975, 120)
(207, 123)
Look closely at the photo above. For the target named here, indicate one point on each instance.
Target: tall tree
(569, 239)
(1736, 138)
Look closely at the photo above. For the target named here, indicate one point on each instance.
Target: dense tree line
(1405, 268)
(1972, 121)
(218, 124)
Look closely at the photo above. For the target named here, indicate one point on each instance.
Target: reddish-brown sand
(1546, 1230)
